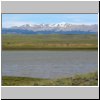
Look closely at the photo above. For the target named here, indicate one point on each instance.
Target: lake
(48, 64)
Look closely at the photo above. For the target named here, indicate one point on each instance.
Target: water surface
(48, 64)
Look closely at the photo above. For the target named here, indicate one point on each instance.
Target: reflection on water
(48, 64)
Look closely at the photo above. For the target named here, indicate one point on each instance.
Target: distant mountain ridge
(60, 28)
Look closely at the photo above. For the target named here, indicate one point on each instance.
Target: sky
(9, 20)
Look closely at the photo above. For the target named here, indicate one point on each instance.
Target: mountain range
(60, 28)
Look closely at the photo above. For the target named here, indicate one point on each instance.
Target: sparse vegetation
(90, 79)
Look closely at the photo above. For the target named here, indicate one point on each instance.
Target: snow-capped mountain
(52, 28)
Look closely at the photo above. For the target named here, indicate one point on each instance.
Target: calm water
(48, 64)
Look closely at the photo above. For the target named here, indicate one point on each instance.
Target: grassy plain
(90, 79)
(49, 42)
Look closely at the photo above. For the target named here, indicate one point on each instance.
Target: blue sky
(9, 20)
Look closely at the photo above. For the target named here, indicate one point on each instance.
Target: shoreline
(87, 79)
(50, 49)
